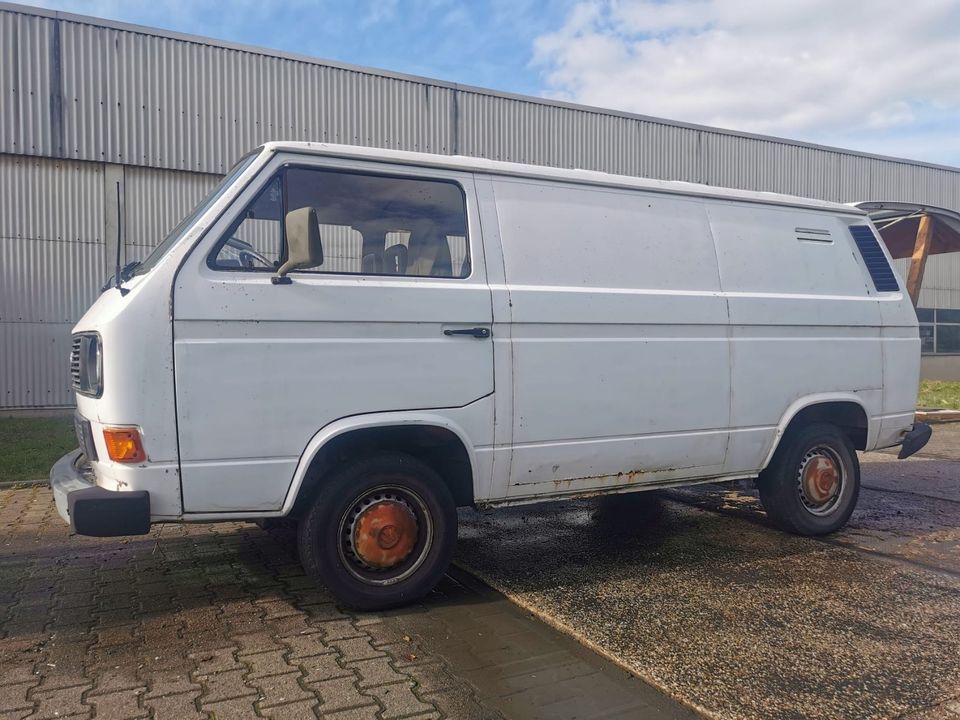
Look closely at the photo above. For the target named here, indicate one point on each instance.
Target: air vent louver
(883, 278)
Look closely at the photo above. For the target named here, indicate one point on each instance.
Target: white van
(364, 340)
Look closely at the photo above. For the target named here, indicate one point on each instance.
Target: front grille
(75, 361)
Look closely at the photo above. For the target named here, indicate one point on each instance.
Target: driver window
(255, 241)
(384, 225)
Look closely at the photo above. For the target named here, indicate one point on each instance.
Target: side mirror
(304, 248)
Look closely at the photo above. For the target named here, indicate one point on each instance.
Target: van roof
(590, 177)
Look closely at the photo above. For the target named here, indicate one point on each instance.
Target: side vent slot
(813, 235)
(883, 278)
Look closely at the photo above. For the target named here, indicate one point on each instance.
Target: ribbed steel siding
(730, 161)
(528, 132)
(51, 225)
(50, 199)
(44, 281)
(26, 48)
(146, 100)
(34, 371)
(155, 201)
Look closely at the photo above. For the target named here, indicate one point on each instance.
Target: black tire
(782, 486)
(326, 532)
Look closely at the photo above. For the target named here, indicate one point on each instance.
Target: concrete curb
(938, 416)
(14, 484)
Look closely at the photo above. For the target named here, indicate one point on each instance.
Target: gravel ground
(693, 592)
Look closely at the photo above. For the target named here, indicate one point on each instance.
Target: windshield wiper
(125, 274)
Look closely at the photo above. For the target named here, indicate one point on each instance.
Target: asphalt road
(694, 592)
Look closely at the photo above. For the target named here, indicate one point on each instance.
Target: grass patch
(29, 446)
(939, 394)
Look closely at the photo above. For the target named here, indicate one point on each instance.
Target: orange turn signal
(124, 444)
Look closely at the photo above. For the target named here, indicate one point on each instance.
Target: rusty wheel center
(820, 480)
(384, 534)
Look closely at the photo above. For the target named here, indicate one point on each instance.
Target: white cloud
(805, 68)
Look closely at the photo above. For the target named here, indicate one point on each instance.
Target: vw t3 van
(365, 340)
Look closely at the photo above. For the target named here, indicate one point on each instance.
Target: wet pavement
(690, 600)
(696, 594)
(219, 621)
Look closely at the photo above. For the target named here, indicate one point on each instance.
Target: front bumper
(92, 510)
(915, 439)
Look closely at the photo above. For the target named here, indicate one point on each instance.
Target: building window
(939, 331)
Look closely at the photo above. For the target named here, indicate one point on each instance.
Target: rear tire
(812, 483)
(380, 532)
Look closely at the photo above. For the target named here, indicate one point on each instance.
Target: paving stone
(235, 709)
(15, 696)
(323, 667)
(111, 679)
(303, 710)
(338, 630)
(356, 649)
(60, 703)
(340, 694)
(17, 670)
(398, 700)
(118, 705)
(214, 661)
(305, 644)
(271, 662)
(256, 642)
(15, 714)
(168, 683)
(376, 671)
(279, 689)
(369, 712)
(224, 686)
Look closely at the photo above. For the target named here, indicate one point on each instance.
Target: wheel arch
(846, 410)
(378, 426)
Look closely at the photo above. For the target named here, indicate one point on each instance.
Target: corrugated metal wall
(168, 113)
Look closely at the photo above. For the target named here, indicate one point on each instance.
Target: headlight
(87, 364)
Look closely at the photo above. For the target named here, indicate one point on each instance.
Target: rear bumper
(93, 510)
(915, 439)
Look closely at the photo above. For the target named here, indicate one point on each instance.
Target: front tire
(380, 532)
(812, 484)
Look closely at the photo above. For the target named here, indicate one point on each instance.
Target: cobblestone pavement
(213, 621)
(218, 621)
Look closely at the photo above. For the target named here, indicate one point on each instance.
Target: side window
(381, 225)
(255, 240)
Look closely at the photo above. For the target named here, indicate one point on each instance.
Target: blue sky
(875, 75)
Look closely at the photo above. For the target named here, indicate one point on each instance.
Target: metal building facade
(89, 103)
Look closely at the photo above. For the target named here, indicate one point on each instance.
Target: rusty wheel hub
(384, 533)
(820, 480)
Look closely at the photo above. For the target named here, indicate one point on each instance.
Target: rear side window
(880, 271)
(369, 225)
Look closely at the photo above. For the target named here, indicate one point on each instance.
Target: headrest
(395, 260)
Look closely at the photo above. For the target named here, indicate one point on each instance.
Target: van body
(363, 340)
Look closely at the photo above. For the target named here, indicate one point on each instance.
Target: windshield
(175, 234)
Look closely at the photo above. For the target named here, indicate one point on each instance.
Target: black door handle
(478, 332)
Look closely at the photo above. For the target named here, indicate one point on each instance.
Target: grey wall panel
(34, 371)
(156, 200)
(145, 100)
(51, 199)
(730, 161)
(27, 46)
(47, 281)
(515, 130)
